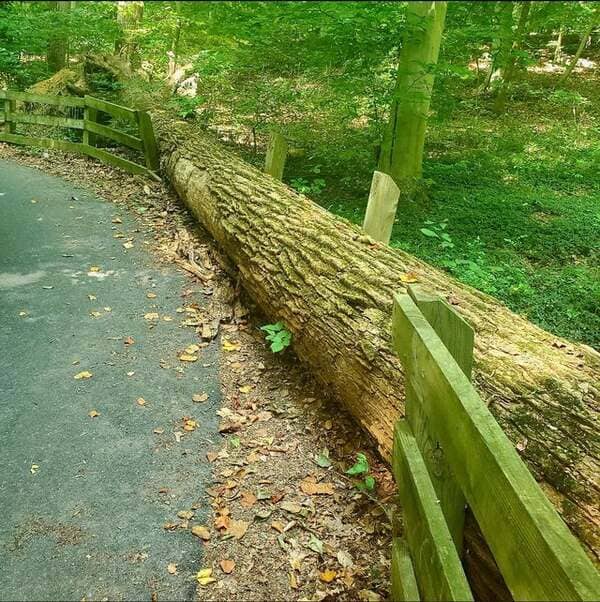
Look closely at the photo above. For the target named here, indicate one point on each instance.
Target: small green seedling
(361, 469)
(278, 335)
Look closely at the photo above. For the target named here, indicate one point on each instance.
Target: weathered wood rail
(88, 107)
(449, 451)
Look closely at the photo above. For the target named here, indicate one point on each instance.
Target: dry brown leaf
(248, 499)
(227, 566)
(189, 425)
(186, 357)
(311, 488)
(172, 568)
(204, 577)
(245, 389)
(409, 278)
(186, 514)
(141, 401)
(278, 526)
(201, 531)
(128, 341)
(93, 414)
(238, 528)
(199, 397)
(151, 295)
(151, 316)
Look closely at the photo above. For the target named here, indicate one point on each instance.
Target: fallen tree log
(333, 288)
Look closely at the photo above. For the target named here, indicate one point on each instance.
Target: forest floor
(280, 519)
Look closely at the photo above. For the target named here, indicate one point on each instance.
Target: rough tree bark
(333, 287)
(58, 44)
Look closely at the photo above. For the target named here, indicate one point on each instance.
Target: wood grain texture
(381, 207)
(437, 567)
(538, 557)
(403, 581)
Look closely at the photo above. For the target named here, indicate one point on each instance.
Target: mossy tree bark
(402, 149)
(333, 287)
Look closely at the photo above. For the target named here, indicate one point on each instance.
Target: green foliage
(361, 469)
(278, 335)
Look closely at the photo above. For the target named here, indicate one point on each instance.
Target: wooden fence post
(147, 135)
(458, 338)
(10, 107)
(276, 155)
(381, 208)
(89, 114)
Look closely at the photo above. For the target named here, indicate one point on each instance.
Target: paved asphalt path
(88, 523)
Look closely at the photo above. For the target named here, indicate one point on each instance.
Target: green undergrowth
(517, 199)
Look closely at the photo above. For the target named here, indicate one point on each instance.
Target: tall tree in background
(402, 149)
(58, 44)
(129, 19)
(594, 19)
(510, 68)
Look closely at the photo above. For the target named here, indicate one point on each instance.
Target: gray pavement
(88, 522)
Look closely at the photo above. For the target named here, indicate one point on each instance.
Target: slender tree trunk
(558, 48)
(501, 43)
(58, 44)
(129, 18)
(402, 148)
(332, 287)
(584, 38)
(174, 52)
(510, 69)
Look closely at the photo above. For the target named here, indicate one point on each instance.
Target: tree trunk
(402, 149)
(58, 44)
(558, 47)
(129, 18)
(510, 69)
(584, 38)
(333, 286)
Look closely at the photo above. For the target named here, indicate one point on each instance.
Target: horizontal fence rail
(450, 451)
(87, 121)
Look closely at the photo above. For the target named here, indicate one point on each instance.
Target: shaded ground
(81, 495)
(268, 535)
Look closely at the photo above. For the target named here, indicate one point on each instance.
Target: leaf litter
(332, 541)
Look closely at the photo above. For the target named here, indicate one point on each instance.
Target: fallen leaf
(293, 580)
(204, 577)
(344, 559)
(117, 220)
(186, 357)
(315, 544)
(278, 526)
(327, 576)
(190, 425)
(93, 414)
(227, 566)
(151, 316)
(151, 295)
(192, 349)
(128, 245)
(186, 514)
(238, 528)
(92, 297)
(246, 389)
(200, 397)
(211, 456)
(95, 314)
(172, 568)
(231, 345)
(34, 468)
(83, 375)
(248, 499)
(291, 507)
(312, 488)
(201, 531)
(128, 341)
(141, 401)
(167, 318)
(409, 278)
(158, 431)
(95, 268)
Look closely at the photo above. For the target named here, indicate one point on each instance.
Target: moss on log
(333, 287)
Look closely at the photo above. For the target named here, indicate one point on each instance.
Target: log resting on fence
(333, 287)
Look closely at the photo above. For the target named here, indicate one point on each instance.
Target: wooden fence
(449, 452)
(86, 120)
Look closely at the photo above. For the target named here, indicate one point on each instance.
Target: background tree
(404, 139)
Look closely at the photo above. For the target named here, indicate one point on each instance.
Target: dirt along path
(249, 501)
